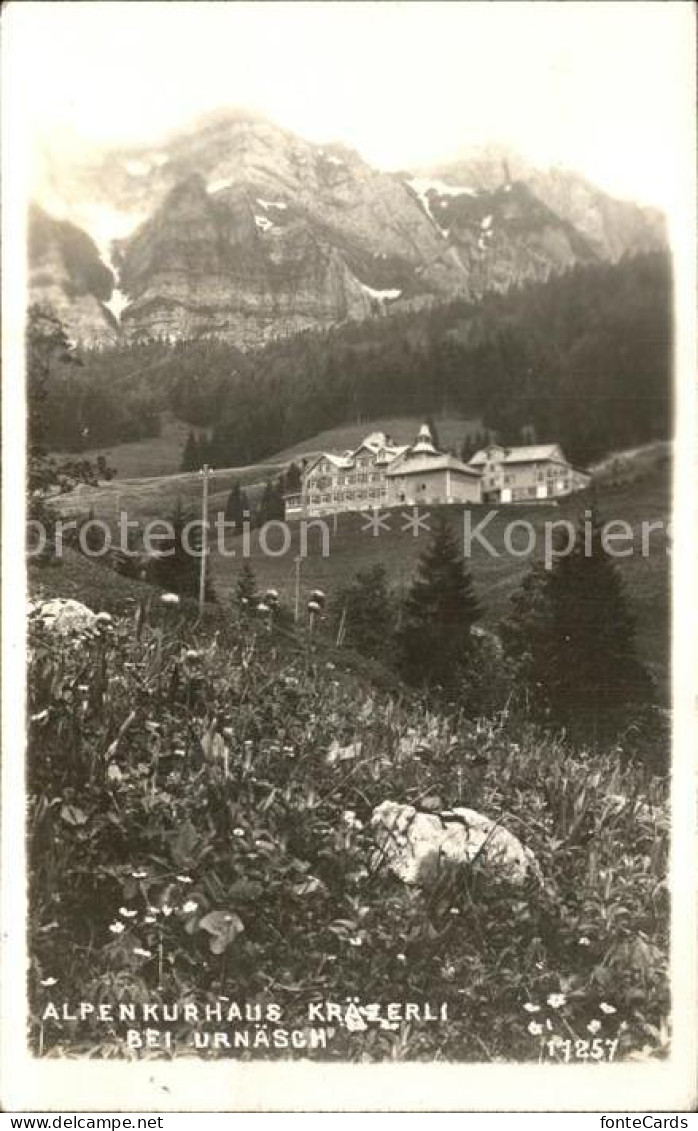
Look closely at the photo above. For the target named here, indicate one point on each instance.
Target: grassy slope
(162, 455)
(352, 547)
(263, 839)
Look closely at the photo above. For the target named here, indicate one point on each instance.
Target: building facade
(527, 474)
(381, 474)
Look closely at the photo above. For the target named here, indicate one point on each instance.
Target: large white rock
(416, 846)
(65, 616)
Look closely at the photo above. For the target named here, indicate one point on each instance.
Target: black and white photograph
(349, 494)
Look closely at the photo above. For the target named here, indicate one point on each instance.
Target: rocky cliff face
(240, 230)
(67, 274)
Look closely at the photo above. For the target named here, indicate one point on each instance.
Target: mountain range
(239, 230)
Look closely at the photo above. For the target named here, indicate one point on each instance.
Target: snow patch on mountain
(382, 296)
(486, 223)
(218, 186)
(117, 303)
(263, 223)
(272, 204)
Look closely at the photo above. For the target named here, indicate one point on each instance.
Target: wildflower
(289, 751)
(534, 1028)
(317, 595)
(584, 941)
(149, 919)
(116, 928)
(455, 911)
(40, 717)
(169, 599)
(83, 687)
(190, 907)
(262, 608)
(531, 1008)
(103, 618)
(142, 953)
(555, 1001)
(114, 774)
(238, 832)
(449, 972)
(127, 913)
(272, 594)
(153, 910)
(48, 981)
(401, 957)
(606, 1008)
(594, 1025)
(192, 654)
(314, 607)
(185, 879)
(140, 874)
(166, 909)
(356, 941)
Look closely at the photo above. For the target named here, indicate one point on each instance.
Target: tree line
(584, 357)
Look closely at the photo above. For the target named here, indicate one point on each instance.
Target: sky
(602, 87)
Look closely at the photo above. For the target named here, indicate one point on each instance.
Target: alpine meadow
(348, 508)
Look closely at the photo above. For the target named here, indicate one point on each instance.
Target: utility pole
(297, 602)
(204, 538)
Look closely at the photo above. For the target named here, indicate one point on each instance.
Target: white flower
(238, 832)
(48, 981)
(127, 913)
(455, 911)
(169, 599)
(534, 1028)
(103, 618)
(185, 879)
(116, 928)
(357, 941)
(114, 773)
(262, 608)
(317, 595)
(594, 1026)
(606, 1008)
(149, 919)
(555, 1001)
(140, 874)
(531, 1008)
(313, 607)
(401, 957)
(190, 907)
(584, 941)
(40, 717)
(142, 953)
(272, 594)
(192, 654)
(166, 909)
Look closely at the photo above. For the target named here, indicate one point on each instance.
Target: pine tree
(434, 639)
(191, 456)
(246, 594)
(292, 479)
(365, 612)
(271, 506)
(434, 434)
(178, 564)
(571, 634)
(236, 507)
